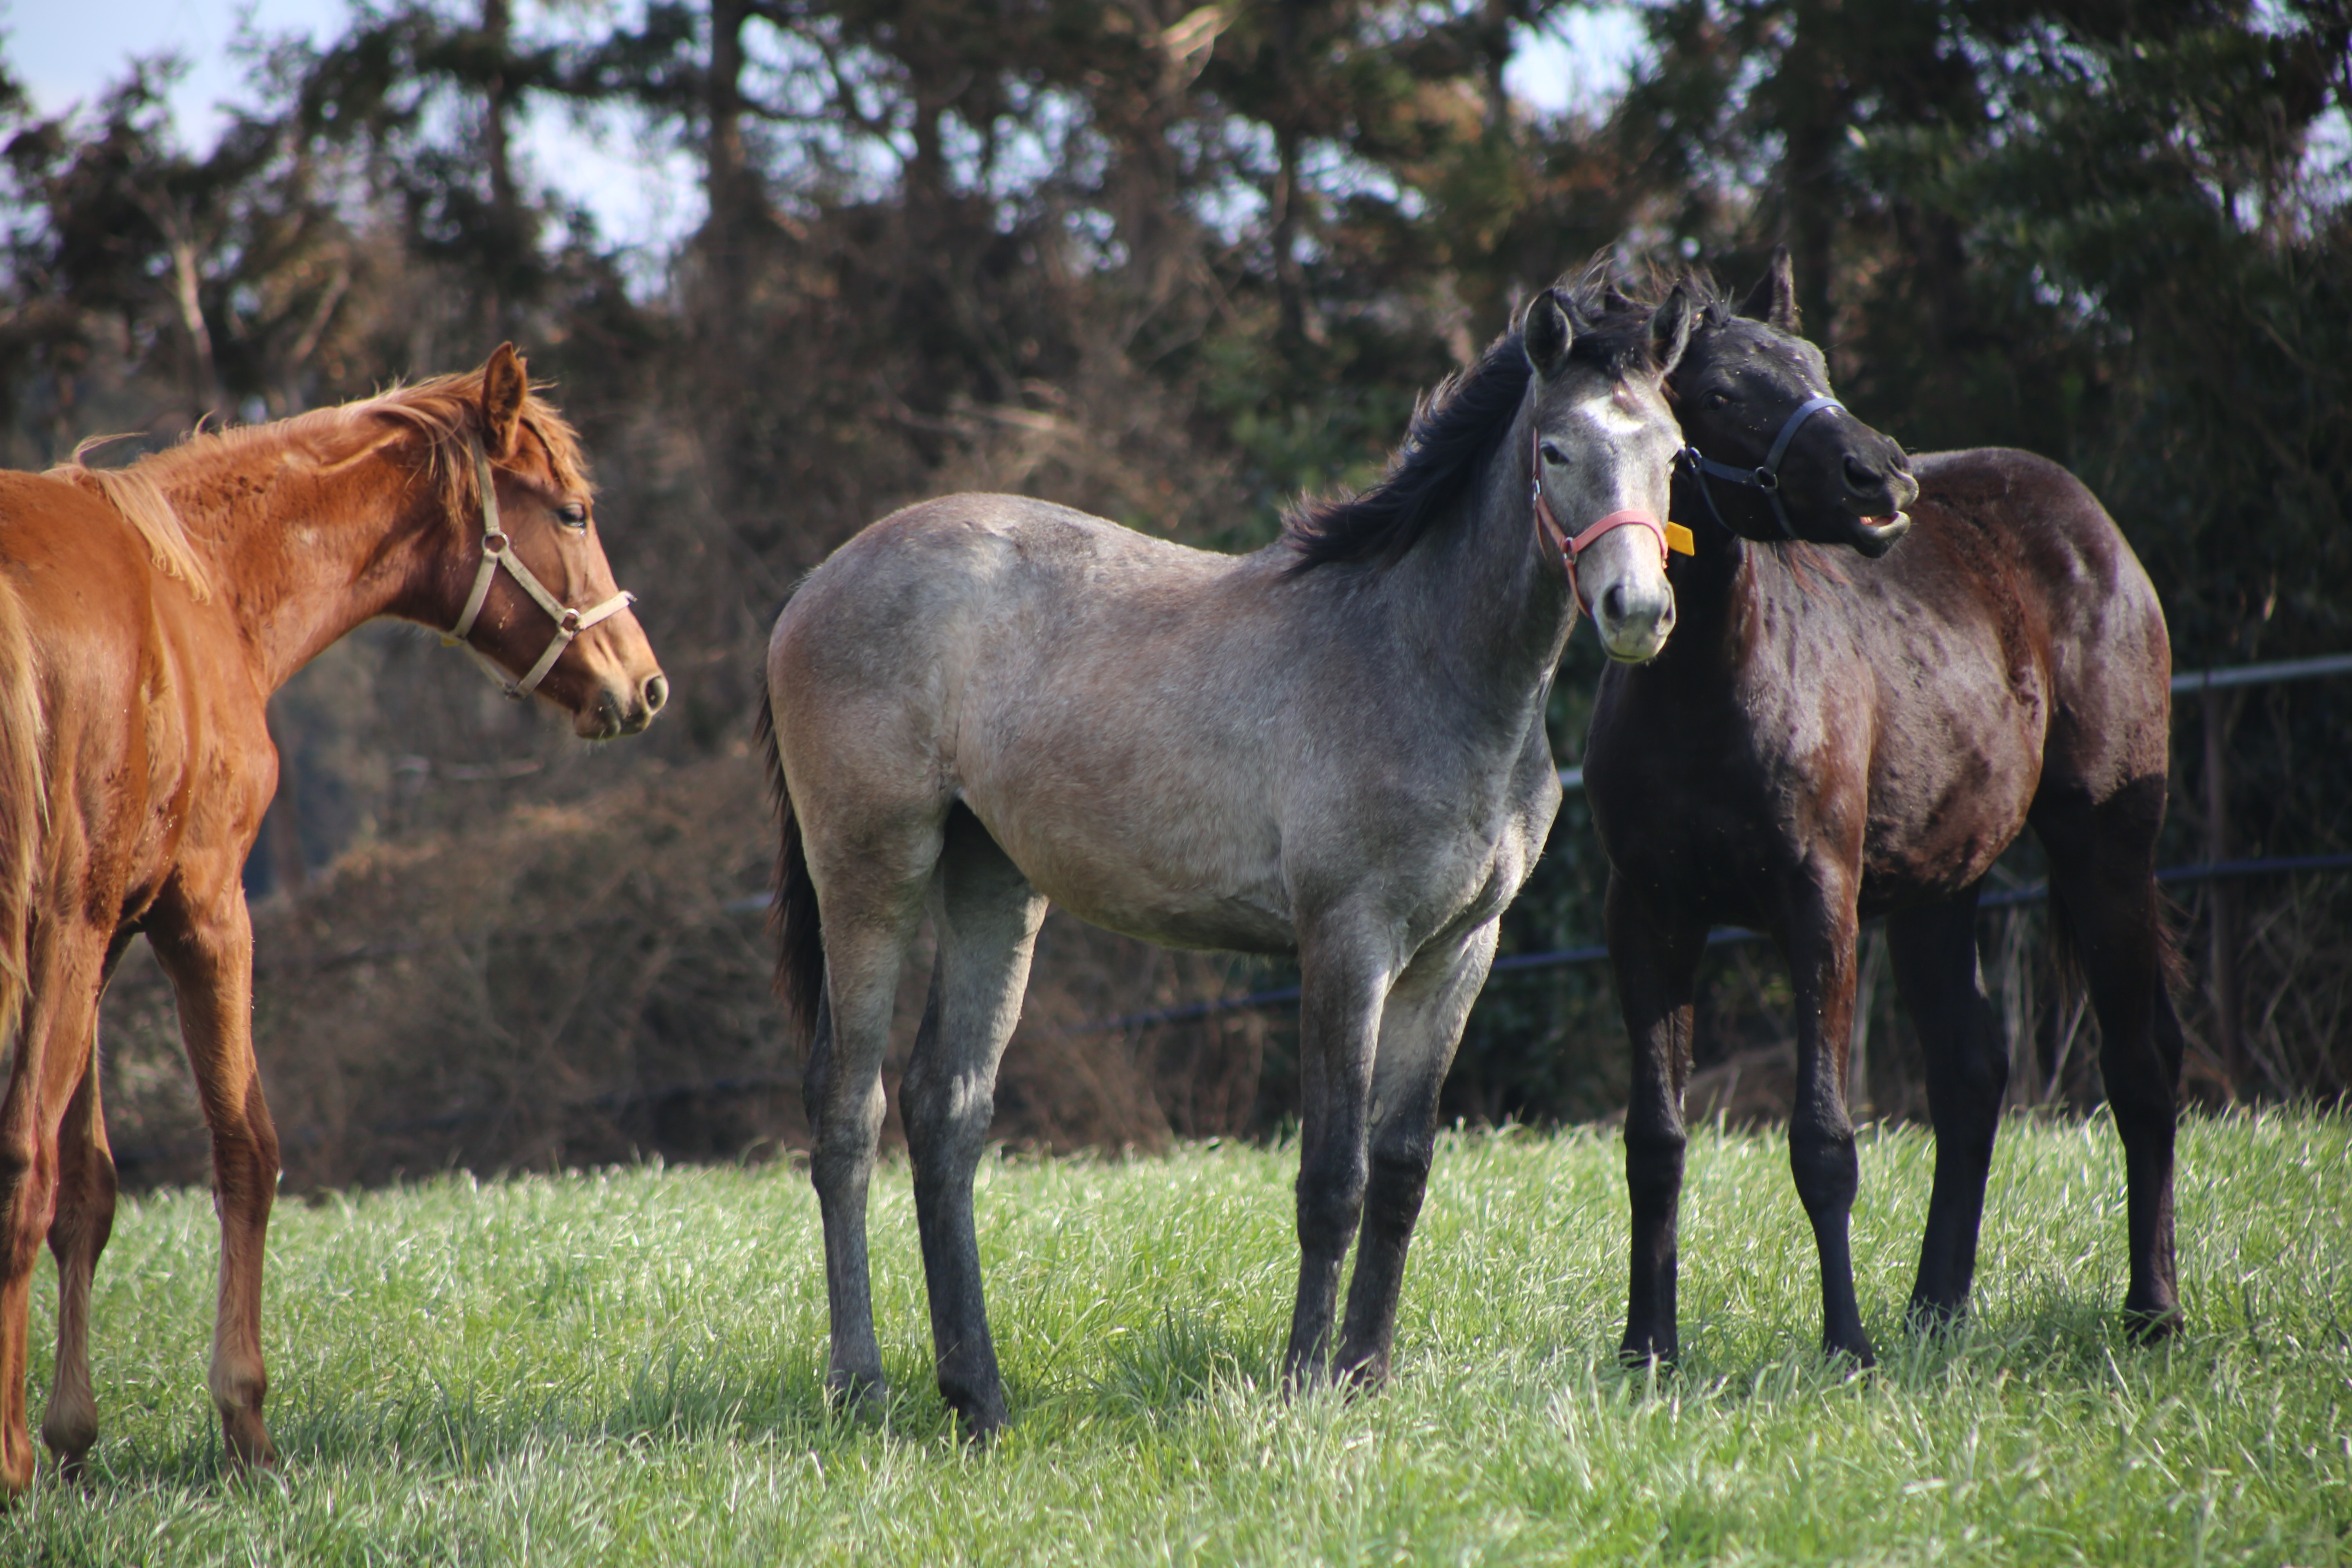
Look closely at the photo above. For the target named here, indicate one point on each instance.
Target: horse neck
(1486, 598)
(1730, 591)
(299, 555)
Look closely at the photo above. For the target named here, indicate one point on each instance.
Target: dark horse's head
(1769, 454)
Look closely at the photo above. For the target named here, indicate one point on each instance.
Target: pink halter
(1671, 536)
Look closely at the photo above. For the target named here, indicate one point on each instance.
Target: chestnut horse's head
(530, 592)
(1771, 454)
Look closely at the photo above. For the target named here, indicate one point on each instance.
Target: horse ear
(505, 385)
(1773, 301)
(1548, 334)
(1670, 326)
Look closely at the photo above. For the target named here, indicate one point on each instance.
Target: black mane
(1454, 429)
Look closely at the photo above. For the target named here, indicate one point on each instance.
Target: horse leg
(2102, 876)
(1420, 1027)
(1941, 982)
(986, 916)
(1342, 985)
(1822, 930)
(1655, 957)
(868, 927)
(52, 1048)
(203, 940)
(85, 1218)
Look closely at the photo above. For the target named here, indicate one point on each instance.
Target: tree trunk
(726, 183)
(1817, 108)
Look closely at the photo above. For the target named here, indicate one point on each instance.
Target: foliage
(1179, 264)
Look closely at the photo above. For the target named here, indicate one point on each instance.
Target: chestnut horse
(1333, 748)
(146, 614)
(1831, 736)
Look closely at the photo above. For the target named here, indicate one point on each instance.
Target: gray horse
(1332, 749)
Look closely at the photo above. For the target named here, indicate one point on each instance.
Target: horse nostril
(1613, 603)
(1860, 477)
(656, 693)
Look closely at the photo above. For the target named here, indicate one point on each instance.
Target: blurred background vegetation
(1176, 265)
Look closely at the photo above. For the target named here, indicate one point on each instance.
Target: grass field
(622, 1367)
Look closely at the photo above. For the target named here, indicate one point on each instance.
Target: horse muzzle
(1879, 496)
(1875, 536)
(617, 711)
(1633, 620)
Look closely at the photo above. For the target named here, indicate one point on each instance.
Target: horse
(146, 614)
(1839, 733)
(1331, 749)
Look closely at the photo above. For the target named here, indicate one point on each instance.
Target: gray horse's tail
(793, 914)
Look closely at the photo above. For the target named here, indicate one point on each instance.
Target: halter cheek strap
(1765, 477)
(498, 551)
(1671, 536)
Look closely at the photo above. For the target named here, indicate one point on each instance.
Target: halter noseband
(1765, 477)
(498, 551)
(1671, 536)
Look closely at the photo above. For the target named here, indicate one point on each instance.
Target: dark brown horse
(146, 613)
(1830, 737)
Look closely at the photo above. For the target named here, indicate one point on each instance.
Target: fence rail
(2197, 680)
(2220, 680)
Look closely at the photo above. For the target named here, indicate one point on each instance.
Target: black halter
(1765, 477)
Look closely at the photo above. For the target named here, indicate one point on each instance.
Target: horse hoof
(982, 1425)
(1305, 1376)
(2153, 1325)
(1857, 1357)
(69, 1434)
(1931, 1319)
(1635, 1355)
(250, 1448)
(855, 1393)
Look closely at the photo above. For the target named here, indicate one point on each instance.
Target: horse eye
(1716, 400)
(1552, 454)
(573, 514)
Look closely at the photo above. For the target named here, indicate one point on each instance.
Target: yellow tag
(1679, 540)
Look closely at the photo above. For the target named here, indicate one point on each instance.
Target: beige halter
(497, 551)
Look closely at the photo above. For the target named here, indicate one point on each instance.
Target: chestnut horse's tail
(23, 803)
(792, 916)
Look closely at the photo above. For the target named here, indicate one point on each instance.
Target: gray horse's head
(1604, 441)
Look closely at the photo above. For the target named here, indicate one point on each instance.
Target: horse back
(1057, 675)
(1903, 716)
(2070, 602)
(151, 738)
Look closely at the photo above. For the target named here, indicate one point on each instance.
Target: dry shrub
(2295, 986)
(581, 983)
(1069, 1083)
(565, 985)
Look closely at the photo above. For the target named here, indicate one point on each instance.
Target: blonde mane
(445, 410)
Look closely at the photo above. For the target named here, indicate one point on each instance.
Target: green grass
(624, 1367)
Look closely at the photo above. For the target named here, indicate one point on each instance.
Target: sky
(68, 51)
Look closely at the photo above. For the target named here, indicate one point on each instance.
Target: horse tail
(23, 803)
(793, 913)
